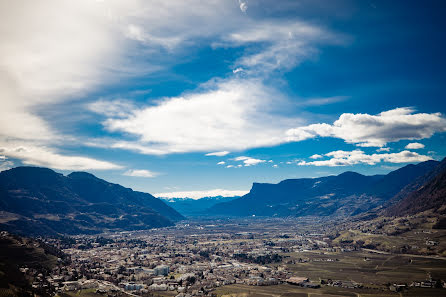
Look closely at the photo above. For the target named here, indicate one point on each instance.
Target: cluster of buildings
(193, 260)
(187, 263)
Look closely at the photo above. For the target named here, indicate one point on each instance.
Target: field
(294, 291)
(367, 268)
(373, 270)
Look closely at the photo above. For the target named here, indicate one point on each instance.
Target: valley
(330, 236)
(251, 257)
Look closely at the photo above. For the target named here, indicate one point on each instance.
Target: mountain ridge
(348, 193)
(35, 200)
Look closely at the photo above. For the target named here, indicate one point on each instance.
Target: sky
(203, 98)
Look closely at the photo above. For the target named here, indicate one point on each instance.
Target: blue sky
(209, 97)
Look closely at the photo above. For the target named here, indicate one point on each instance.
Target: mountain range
(37, 201)
(40, 201)
(343, 195)
(190, 207)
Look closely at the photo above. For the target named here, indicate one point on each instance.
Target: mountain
(346, 194)
(429, 194)
(37, 201)
(195, 207)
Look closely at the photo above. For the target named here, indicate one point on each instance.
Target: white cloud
(237, 70)
(280, 45)
(56, 51)
(322, 101)
(225, 115)
(316, 156)
(383, 149)
(243, 5)
(141, 173)
(47, 157)
(53, 51)
(202, 194)
(218, 154)
(414, 146)
(4, 164)
(348, 158)
(221, 163)
(275, 166)
(247, 161)
(375, 130)
(115, 108)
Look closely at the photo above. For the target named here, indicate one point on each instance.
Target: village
(196, 259)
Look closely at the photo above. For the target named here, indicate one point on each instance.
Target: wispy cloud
(243, 5)
(141, 173)
(218, 154)
(5, 164)
(47, 157)
(228, 115)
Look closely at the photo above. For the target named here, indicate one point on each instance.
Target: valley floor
(253, 257)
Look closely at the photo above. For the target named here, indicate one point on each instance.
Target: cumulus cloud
(221, 163)
(375, 130)
(316, 156)
(202, 194)
(348, 158)
(140, 173)
(383, 149)
(218, 154)
(414, 146)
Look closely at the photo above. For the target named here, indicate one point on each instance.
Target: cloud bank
(375, 130)
(349, 158)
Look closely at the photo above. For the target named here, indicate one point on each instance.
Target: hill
(346, 194)
(37, 201)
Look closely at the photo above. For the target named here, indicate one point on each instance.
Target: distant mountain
(347, 194)
(195, 207)
(41, 201)
(428, 194)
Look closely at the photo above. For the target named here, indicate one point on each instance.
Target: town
(199, 257)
